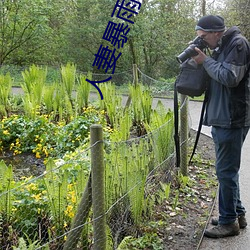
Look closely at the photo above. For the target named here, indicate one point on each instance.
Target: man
(228, 112)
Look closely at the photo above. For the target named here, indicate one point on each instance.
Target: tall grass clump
(141, 106)
(111, 103)
(127, 165)
(83, 92)
(161, 130)
(33, 85)
(48, 98)
(5, 90)
(68, 74)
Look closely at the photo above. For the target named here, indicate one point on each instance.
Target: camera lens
(187, 53)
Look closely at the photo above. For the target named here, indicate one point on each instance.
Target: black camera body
(190, 51)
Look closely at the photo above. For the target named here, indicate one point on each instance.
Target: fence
(94, 202)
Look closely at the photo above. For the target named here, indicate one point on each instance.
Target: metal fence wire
(64, 207)
(41, 211)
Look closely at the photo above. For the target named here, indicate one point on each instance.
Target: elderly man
(228, 112)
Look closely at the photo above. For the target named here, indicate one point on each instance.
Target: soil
(25, 164)
(186, 223)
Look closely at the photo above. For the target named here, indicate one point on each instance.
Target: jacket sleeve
(234, 66)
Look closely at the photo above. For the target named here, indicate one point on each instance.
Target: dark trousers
(228, 145)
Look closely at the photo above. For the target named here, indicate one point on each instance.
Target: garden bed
(178, 222)
(185, 226)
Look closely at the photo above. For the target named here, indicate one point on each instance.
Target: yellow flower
(73, 199)
(17, 152)
(31, 187)
(6, 132)
(38, 156)
(37, 196)
(14, 209)
(69, 211)
(103, 112)
(45, 151)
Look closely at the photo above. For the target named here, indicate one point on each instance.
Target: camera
(190, 51)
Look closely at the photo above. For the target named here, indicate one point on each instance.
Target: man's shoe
(221, 231)
(241, 219)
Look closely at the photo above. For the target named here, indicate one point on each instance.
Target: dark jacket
(228, 103)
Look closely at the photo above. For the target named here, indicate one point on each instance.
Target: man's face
(211, 38)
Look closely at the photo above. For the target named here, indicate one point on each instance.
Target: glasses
(204, 35)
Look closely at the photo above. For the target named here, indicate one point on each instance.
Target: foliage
(68, 73)
(6, 184)
(147, 241)
(236, 13)
(44, 138)
(141, 106)
(5, 90)
(30, 204)
(46, 205)
(162, 140)
(34, 81)
(83, 92)
(57, 32)
(51, 201)
(22, 245)
(111, 103)
(22, 23)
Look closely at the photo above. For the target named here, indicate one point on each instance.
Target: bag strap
(199, 127)
(176, 126)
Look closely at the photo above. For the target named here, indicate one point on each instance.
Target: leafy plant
(68, 74)
(6, 184)
(22, 245)
(30, 208)
(111, 104)
(141, 104)
(147, 241)
(5, 90)
(161, 126)
(83, 91)
(165, 190)
(48, 98)
(34, 81)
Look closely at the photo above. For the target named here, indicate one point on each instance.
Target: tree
(237, 12)
(21, 21)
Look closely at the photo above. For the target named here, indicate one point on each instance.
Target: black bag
(192, 80)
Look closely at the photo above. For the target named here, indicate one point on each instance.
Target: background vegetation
(49, 32)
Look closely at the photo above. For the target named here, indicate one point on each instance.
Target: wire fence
(55, 210)
(158, 87)
(43, 208)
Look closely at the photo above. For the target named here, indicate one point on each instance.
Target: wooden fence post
(135, 74)
(135, 77)
(80, 218)
(98, 194)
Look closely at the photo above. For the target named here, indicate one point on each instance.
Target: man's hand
(200, 58)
